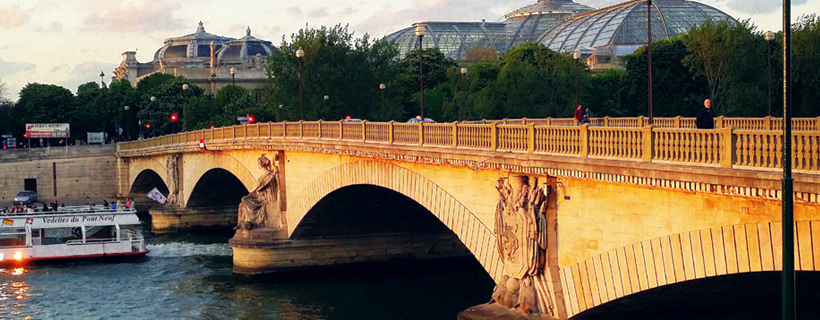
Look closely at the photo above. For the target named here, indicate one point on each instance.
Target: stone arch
(740, 248)
(213, 160)
(137, 166)
(477, 237)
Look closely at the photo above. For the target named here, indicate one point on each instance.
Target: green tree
(347, 70)
(713, 48)
(170, 96)
(676, 90)
(806, 62)
(44, 103)
(407, 86)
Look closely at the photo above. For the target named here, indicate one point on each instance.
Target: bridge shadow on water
(744, 296)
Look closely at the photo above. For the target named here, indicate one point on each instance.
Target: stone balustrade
(755, 143)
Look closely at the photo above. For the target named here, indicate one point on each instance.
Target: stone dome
(236, 51)
(191, 46)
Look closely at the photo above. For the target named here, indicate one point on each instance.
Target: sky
(69, 42)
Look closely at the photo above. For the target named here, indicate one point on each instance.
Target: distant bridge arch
(144, 166)
(475, 235)
(210, 161)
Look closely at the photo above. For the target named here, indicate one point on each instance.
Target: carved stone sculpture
(517, 218)
(260, 208)
(172, 176)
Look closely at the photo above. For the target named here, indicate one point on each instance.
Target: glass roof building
(623, 27)
(460, 41)
(563, 26)
(528, 23)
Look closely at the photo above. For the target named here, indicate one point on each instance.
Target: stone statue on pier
(172, 176)
(260, 208)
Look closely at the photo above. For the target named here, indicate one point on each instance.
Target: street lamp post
(420, 34)
(233, 87)
(649, 52)
(151, 116)
(788, 274)
(299, 54)
(464, 98)
(769, 36)
(101, 79)
(381, 88)
(325, 103)
(576, 55)
(127, 120)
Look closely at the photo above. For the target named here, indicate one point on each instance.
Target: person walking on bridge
(706, 117)
(579, 116)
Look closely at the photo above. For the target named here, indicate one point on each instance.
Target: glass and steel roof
(460, 41)
(624, 25)
(527, 23)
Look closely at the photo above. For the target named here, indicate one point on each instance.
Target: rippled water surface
(189, 277)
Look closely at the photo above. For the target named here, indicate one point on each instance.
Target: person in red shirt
(579, 116)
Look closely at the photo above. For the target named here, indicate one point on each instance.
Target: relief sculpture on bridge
(260, 208)
(520, 227)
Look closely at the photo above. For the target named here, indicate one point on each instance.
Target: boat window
(12, 237)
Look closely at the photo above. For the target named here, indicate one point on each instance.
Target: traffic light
(174, 117)
(251, 119)
(147, 126)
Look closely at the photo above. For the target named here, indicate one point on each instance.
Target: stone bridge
(627, 208)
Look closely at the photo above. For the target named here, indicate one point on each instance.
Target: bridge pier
(260, 253)
(167, 218)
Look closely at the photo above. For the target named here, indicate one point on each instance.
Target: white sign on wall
(95, 137)
(47, 130)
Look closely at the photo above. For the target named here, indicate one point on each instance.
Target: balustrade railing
(726, 147)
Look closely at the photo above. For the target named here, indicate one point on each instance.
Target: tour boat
(75, 232)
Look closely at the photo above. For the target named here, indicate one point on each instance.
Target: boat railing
(73, 210)
(127, 236)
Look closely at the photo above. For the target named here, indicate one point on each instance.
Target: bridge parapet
(725, 148)
(765, 123)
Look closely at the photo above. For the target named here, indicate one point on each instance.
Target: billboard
(47, 130)
(95, 137)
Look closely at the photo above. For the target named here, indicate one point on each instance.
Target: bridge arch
(477, 237)
(732, 249)
(143, 168)
(213, 160)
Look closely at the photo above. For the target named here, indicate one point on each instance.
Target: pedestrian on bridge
(706, 117)
(579, 116)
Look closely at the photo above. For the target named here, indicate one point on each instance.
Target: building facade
(204, 58)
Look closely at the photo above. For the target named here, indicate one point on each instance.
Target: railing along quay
(726, 147)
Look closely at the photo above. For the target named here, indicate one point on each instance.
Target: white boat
(77, 232)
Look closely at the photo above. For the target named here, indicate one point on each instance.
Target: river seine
(188, 276)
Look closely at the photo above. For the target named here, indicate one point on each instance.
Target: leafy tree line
(342, 75)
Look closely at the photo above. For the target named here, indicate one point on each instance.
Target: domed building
(527, 23)
(482, 41)
(600, 35)
(204, 58)
(615, 31)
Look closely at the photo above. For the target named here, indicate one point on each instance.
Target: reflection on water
(189, 277)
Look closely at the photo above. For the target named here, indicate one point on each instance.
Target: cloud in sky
(135, 16)
(294, 11)
(318, 13)
(349, 10)
(11, 16)
(390, 19)
(8, 68)
(760, 6)
(88, 72)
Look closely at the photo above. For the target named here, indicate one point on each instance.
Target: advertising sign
(47, 130)
(95, 137)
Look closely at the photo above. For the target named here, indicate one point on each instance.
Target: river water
(188, 276)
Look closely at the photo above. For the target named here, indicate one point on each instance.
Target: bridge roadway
(627, 209)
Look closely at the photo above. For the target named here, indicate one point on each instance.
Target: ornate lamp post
(769, 36)
(420, 34)
(299, 54)
(787, 276)
(326, 97)
(233, 84)
(576, 55)
(151, 116)
(381, 88)
(464, 99)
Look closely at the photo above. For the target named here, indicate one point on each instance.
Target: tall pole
(381, 87)
(649, 52)
(464, 98)
(299, 54)
(769, 36)
(233, 88)
(127, 121)
(788, 308)
(421, 76)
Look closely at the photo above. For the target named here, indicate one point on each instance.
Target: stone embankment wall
(81, 172)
